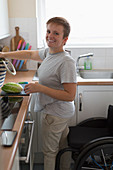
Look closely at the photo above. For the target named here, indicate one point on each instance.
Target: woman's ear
(65, 40)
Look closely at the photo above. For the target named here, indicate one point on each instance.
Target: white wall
(22, 13)
(22, 8)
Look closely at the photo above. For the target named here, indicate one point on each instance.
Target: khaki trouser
(55, 132)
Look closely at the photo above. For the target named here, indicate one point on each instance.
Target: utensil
(22, 61)
(23, 46)
(28, 49)
(19, 44)
(23, 82)
(15, 40)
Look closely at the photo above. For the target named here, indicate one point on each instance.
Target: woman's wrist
(39, 87)
(2, 55)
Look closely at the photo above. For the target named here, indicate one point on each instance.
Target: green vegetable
(12, 87)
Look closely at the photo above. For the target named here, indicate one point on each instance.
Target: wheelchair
(91, 144)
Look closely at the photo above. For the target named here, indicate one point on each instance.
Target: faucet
(82, 56)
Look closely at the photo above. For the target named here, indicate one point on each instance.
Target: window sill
(89, 46)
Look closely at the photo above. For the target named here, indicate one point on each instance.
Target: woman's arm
(21, 55)
(68, 94)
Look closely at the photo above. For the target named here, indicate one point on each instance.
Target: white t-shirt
(56, 69)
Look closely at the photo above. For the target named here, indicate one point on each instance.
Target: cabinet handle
(80, 101)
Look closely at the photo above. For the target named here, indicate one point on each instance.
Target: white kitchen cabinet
(4, 20)
(93, 101)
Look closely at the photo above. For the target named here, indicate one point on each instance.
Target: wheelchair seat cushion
(78, 136)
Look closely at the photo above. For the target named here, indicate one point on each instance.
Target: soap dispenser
(87, 64)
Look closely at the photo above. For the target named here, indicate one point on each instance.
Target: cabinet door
(93, 101)
(34, 115)
(4, 20)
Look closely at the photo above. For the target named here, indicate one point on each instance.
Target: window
(90, 20)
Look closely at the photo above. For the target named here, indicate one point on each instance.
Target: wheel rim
(98, 158)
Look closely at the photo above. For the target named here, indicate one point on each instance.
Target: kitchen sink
(96, 74)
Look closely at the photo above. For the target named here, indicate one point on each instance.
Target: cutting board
(22, 93)
(15, 40)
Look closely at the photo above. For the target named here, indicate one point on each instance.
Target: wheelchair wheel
(97, 158)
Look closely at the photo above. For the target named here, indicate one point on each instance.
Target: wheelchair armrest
(94, 122)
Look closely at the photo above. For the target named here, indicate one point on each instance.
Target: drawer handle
(80, 101)
(26, 158)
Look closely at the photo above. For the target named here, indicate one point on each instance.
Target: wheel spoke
(105, 164)
(96, 163)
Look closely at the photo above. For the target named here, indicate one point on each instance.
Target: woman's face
(54, 37)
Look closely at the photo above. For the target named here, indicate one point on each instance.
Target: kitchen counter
(8, 153)
(82, 81)
(20, 76)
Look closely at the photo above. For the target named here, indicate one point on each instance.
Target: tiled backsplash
(102, 59)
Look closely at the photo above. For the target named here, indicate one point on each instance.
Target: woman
(56, 88)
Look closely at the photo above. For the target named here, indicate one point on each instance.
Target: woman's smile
(51, 41)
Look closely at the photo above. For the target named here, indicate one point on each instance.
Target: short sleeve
(43, 53)
(68, 72)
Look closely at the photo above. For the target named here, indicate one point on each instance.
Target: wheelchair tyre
(96, 158)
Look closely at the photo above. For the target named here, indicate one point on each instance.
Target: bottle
(87, 64)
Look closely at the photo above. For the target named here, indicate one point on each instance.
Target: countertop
(20, 76)
(8, 153)
(82, 82)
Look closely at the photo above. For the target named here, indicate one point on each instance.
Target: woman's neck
(53, 51)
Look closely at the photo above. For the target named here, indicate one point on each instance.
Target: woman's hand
(1, 55)
(32, 88)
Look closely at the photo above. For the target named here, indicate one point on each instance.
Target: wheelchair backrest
(110, 117)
